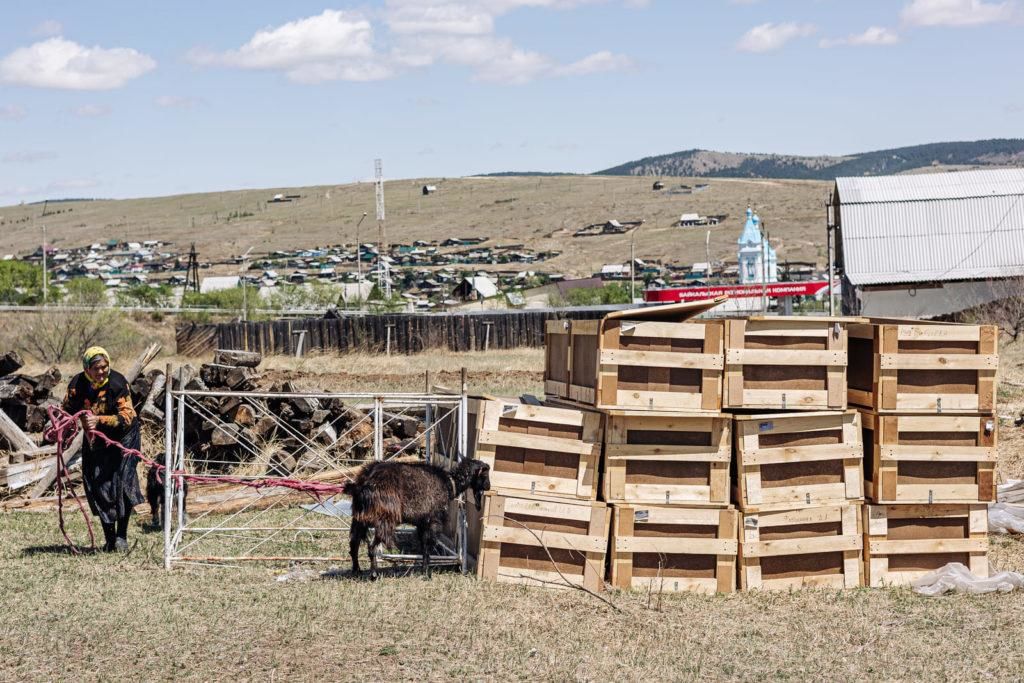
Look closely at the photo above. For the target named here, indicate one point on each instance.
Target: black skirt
(111, 478)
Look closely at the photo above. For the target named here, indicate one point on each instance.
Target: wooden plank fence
(409, 332)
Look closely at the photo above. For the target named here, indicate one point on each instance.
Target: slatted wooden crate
(666, 458)
(539, 449)
(641, 359)
(556, 358)
(530, 539)
(795, 460)
(904, 542)
(785, 363)
(929, 458)
(674, 549)
(815, 547)
(921, 367)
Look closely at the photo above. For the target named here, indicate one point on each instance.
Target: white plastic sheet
(1006, 516)
(956, 577)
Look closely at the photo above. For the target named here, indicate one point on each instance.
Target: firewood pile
(284, 435)
(24, 398)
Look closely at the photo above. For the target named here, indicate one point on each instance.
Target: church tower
(755, 255)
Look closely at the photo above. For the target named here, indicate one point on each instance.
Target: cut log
(150, 408)
(140, 363)
(225, 435)
(245, 416)
(10, 362)
(183, 375)
(16, 439)
(43, 384)
(241, 378)
(265, 427)
(15, 391)
(248, 359)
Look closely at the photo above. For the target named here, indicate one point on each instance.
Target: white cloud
(450, 18)
(334, 45)
(874, 35)
(769, 37)
(339, 45)
(956, 12)
(29, 156)
(595, 63)
(48, 28)
(63, 64)
(463, 33)
(12, 112)
(90, 111)
(175, 102)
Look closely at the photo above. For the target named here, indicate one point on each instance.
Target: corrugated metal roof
(936, 227)
(924, 186)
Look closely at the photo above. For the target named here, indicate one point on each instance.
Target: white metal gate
(245, 510)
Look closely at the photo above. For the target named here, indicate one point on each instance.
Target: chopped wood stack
(23, 398)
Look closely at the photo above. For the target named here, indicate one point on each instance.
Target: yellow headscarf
(92, 354)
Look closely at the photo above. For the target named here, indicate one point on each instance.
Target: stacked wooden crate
(655, 378)
(926, 392)
(541, 523)
(798, 468)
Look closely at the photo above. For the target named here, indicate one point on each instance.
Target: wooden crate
(674, 549)
(904, 542)
(785, 363)
(920, 367)
(796, 460)
(539, 449)
(666, 458)
(556, 358)
(516, 530)
(815, 547)
(929, 458)
(640, 359)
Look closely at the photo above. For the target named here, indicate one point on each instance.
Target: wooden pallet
(904, 542)
(674, 549)
(797, 460)
(539, 449)
(666, 458)
(816, 547)
(929, 458)
(639, 359)
(517, 528)
(785, 363)
(920, 367)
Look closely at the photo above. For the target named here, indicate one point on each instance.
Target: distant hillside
(705, 163)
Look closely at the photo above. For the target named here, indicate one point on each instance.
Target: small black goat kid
(387, 494)
(155, 495)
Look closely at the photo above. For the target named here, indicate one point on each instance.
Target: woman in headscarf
(110, 478)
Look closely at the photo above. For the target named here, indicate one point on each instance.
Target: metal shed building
(928, 245)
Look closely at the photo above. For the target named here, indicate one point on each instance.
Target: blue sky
(119, 99)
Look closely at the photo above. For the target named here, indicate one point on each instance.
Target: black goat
(155, 495)
(386, 494)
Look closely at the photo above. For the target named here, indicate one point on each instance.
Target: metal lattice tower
(378, 168)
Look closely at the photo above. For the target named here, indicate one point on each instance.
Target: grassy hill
(540, 212)
(705, 163)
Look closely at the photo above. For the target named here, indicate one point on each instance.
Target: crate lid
(670, 312)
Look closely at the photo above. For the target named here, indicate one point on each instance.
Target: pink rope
(65, 426)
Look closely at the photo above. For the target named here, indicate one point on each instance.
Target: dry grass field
(103, 617)
(540, 212)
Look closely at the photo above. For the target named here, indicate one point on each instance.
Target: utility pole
(359, 251)
(245, 298)
(45, 280)
(829, 232)
(632, 268)
(764, 272)
(707, 255)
